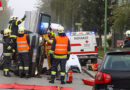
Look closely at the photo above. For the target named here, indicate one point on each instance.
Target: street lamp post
(105, 27)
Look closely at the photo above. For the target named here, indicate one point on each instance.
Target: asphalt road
(76, 85)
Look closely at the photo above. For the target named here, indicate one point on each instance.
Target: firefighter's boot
(26, 71)
(52, 79)
(62, 79)
(6, 74)
(21, 74)
(27, 75)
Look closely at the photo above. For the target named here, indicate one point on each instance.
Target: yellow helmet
(127, 33)
(21, 30)
(13, 18)
(60, 29)
(7, 32)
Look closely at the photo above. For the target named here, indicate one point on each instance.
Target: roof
(117, 50)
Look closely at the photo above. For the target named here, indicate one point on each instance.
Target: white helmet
(127, 33)
(60, 29)
(21, 30)
(7, 32)
(13, 18)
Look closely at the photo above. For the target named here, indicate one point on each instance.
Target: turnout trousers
(55, 63)
(7, 62)
(23, 63)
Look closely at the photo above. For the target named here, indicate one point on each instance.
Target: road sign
(78, 24)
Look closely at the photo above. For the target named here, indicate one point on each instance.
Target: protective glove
(68, 56)
(51, 41)
(24, 17)
(13, 50)
(9, 47)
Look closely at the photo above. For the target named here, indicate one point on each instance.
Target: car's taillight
(96, 49)
(102, 78)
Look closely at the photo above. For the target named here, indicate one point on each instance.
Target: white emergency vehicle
(84, 45)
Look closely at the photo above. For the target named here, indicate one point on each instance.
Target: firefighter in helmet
(49, 41)
(13, 26)
(23, 52)
(127, 39)
(60, 50)
(7, 51)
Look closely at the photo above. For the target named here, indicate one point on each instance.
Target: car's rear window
(117, 62)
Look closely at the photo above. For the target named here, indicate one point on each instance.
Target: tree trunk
(100, 40)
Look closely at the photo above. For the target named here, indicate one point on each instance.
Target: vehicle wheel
(1, 62)
(40, 60)
(94, 60)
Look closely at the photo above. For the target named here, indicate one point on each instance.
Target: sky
(20, 6)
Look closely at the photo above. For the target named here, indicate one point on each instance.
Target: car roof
(118, 50)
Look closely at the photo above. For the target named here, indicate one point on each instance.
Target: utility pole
(105, 32)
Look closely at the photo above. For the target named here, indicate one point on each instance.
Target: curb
(100, 57)
(92, 75)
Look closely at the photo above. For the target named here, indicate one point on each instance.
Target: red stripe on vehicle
(83, 52)
(75, 44)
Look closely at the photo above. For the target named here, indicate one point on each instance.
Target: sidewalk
(92, 73)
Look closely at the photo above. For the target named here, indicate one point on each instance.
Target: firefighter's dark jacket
(127, 43)
(54, 44)
(6, 43)
(14, 26)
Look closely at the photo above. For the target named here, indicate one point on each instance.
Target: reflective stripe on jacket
(60, 56)
(7, 54)
(22, 45)
(61, 45)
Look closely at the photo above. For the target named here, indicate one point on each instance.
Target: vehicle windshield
(117, 62)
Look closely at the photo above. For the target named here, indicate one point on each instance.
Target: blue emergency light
(93, 31)
(42, 26)
(68, 33)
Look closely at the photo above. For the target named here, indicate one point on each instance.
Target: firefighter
(23, 52)
(7, 51)
(51, 38)
(127, 39)
(49, 43)
(13, 26)
(60, 50)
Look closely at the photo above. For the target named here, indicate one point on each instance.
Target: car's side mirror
(98, 67)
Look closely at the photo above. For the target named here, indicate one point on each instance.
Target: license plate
(110, 87)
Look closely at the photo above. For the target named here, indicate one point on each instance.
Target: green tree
(120, 20)
(5, 15)
(93, 16)
(88, 12)
(121, 17)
